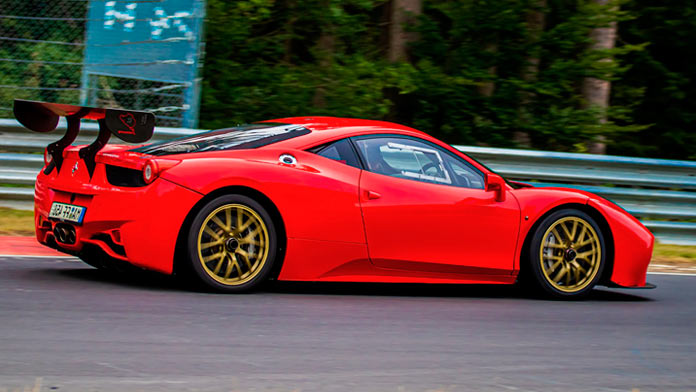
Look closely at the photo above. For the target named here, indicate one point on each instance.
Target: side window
(340, 151)
(416, 160)
(464, 175)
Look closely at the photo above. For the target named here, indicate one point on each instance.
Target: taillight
(150, 171)
(153, 168)
(48, 158)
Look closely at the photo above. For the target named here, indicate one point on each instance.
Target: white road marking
(669, 266)
(672, 273)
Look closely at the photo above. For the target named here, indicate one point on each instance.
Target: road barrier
(659, 192)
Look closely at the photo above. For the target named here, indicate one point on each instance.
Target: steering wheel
(431, 165)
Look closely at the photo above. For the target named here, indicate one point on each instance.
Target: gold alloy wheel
(233, 244)
(570, 254)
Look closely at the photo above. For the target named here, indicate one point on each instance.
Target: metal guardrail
(661, 193)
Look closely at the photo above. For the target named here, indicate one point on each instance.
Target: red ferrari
(318, 199)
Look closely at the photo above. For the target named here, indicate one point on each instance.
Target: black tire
(557, 270)
(263, 246)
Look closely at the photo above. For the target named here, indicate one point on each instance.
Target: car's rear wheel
(567, 254)
(232, 244)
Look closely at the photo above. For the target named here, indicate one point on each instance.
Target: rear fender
(317, 198)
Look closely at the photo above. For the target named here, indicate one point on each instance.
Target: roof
(322, 123)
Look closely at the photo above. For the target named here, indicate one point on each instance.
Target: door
(426, 209)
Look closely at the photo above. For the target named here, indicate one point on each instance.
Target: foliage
(270, 58)
(264, 61)
(548, 107)
(60, 81)
(477, 72)
(661, 83)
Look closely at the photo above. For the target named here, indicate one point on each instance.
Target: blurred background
(595, 76)
(132, 54)
(606, 77)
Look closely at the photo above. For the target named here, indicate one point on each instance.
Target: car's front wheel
(232, 244)
(567, 254)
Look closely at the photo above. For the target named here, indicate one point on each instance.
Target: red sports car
(318, 199)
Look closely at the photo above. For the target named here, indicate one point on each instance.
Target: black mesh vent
(121, 176)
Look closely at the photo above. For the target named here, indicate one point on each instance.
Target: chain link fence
(42, 57)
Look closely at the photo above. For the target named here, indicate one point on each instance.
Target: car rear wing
(128, 125)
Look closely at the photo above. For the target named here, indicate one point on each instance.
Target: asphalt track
(67, 327)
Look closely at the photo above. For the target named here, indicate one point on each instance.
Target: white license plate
(67, 212)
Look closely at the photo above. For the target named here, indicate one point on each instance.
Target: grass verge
(16, 222)
(671, 258)
(674, 252)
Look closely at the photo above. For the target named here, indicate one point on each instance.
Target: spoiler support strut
(88, 153)
(56, 148)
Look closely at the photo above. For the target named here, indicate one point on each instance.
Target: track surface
(65, 326)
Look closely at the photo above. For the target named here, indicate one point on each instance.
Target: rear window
(237, 138)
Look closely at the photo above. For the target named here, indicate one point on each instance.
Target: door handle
(372, 195)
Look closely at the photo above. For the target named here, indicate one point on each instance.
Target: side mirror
(496, 183)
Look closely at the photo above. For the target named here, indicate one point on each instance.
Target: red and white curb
(37, 257)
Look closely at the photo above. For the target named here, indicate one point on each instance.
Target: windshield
(240, 137)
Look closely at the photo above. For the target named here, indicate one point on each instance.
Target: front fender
(535, 203)
(633, 244)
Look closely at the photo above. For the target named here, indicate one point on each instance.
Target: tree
(595, 90)
(402, 13)
(661, 83)
(535, 22)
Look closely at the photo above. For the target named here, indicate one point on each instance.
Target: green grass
(17, 185)
(16, 222)
(664, 253)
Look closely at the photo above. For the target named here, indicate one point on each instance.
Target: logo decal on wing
(128, 119)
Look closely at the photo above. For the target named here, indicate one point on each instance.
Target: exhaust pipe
(59, 233)
(64, 233)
